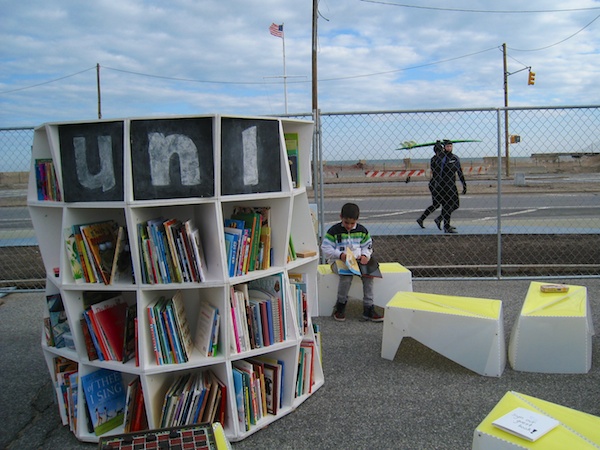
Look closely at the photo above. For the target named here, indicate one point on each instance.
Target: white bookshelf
(289, 211)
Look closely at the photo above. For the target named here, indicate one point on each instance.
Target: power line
(190, 80)
(559, 42)
(412, 67)
(480, 10)
(46, 82)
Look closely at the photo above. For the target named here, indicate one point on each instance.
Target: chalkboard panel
(250, 156)
(172, 158)
(92, 161)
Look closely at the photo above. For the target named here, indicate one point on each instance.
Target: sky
(183, 57)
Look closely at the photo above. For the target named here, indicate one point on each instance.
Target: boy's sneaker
(370, 314)
(339, 312)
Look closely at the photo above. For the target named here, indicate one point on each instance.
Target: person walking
(444, 171)
(438, 150)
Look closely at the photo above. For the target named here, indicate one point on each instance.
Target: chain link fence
(532, 175)
(530, 210)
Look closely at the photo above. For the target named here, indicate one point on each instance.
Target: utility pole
(506, 139)
(317, 149)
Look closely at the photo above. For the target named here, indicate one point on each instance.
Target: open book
(526, 424)
(353, 267)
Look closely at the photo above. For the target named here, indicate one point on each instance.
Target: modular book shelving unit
(190, 167)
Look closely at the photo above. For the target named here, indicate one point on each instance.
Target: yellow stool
(577, 430)
(469, 331)
(553, 333)
(395, 278)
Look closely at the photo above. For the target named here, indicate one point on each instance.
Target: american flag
(276, 30)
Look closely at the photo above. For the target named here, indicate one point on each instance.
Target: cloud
(187, 57)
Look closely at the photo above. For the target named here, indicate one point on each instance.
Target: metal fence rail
(531, 208)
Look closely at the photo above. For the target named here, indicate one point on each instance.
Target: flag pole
(284, 73)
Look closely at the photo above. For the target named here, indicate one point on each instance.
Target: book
(110, 316)
(371, 269)
(73, 256)
(87, 337)
(252, 221)
(204, 328)
(101, 239)
(183, 327)
(291, 145)
(234, 237)
(59, 325)
(197, 250)
(130, 333)
(349, 267)
(526, 424)
(105, 397)
(122, 267)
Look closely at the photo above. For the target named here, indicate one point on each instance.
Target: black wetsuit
(444, 170)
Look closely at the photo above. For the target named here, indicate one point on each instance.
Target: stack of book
(66, 382)
(194, 398)
(305, 378)
(109, 327)
(258, 317)
(45, 177)
(258, 389)
(248, 240)
(135, 409)
(99, 253)
(170, 251)
(171, 335)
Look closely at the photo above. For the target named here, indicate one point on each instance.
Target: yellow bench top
(392, 267)
(447, 304)
(577, 430)
(572, 303)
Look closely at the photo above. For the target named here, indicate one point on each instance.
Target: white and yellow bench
(395, 278)
(469, 331)
(576, 429)
(553, 333)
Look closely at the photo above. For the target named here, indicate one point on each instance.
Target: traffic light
(531, 80)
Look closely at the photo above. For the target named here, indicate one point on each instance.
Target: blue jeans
(344, 287)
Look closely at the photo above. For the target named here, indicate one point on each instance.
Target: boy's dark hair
(350, 211)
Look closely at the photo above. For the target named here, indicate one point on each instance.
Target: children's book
(526, 424)
(105, 396)
(59, 325)
(111, 317)
(291, 145)
(73, 256)
(350, 267)
(101, 239)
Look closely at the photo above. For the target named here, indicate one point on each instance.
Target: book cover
(526, 424)
(73, 256)
(252, 221)
(59, 325)
(182, 324)
(111, 317)
(122, 267)
(291, 145)
(204, 328)
(101, 239)
(105, 396)
(233, 236)
(371, 269)
(198, 251)
(129, 336)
